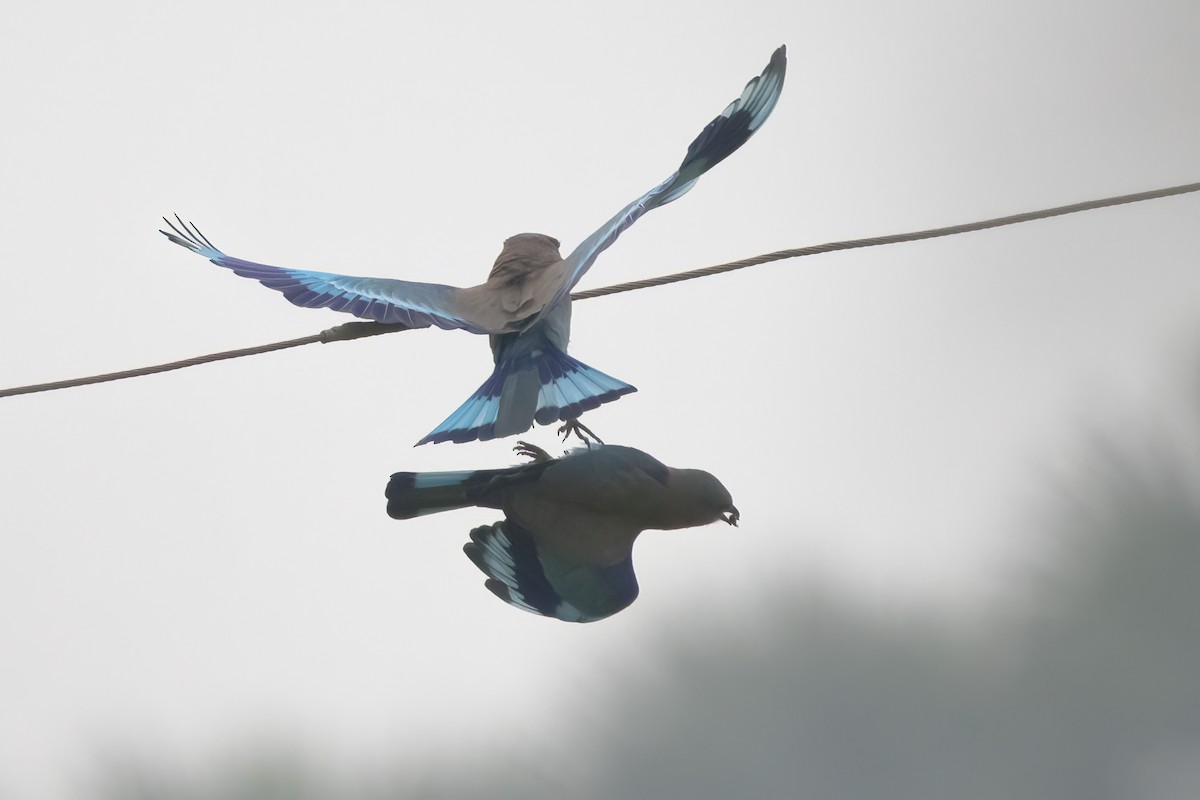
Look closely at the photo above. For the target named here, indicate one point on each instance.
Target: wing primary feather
(203, 238)
(718, 139)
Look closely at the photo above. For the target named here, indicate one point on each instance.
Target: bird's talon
(532, 451)
(585, 434)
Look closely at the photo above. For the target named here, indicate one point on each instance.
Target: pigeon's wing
(387, 300)
(718, 140)
(523, 575)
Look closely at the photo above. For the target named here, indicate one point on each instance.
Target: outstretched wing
(418, 305)
(717, 141)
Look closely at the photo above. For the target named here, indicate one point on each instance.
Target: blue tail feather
(568, 388)
(414, 494)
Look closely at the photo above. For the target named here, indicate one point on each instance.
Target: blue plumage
(376, 299)
(517, 574)
(565, 388)
(525, 304)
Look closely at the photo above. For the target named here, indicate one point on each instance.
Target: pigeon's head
(707, 496)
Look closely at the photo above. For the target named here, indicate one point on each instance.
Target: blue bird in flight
(525, 305)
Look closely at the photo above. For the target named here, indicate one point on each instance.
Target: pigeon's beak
(732, 517)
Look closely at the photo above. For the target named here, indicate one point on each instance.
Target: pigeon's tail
(543, 385)
(414, 494)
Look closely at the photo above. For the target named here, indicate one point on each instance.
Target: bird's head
(526, 251)
(707, 495)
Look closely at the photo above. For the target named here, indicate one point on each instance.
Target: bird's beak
(732, 517)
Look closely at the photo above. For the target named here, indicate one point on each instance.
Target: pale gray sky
(190, 559)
